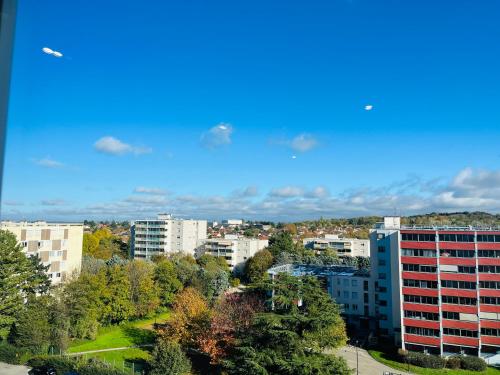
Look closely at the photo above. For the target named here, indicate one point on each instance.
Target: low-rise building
(166, 235)
(232, 222)
(349, 287)
(58, 245)
(236, 250)
(352, 247)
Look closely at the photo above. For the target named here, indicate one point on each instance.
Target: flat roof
(314, 270)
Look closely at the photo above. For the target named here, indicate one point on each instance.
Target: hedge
(425, 360)
(12, 355)
(67, 365)
(472, 363)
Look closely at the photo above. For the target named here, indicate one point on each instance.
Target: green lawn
(387, 360)
(134, 333)
(126, 359)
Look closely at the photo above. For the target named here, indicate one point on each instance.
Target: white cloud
(318, 192)
(48, 163)
(50, 51)
(54, 202)
(368, 107)
(146, 199)
(113, 146)
(303, 143)
(286, 192)
(152, 191)
(219, 135)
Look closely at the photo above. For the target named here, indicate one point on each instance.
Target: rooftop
(314, 270)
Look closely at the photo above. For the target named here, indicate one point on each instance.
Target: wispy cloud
(286, 192)
(48, 163)
(149, 190)
(113, 146)
(54, 202)
(217, 136)
(50, 51)
(303, 143)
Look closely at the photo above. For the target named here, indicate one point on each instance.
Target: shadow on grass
(139, 336)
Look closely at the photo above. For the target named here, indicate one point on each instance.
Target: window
(346, 306)
(458, 284)
(355, 307)
(381, 262)
(382, 276)
(488, 253)
(457, 253)
(490, 300)
(354, 282)
(453, 237)
(420, 283)
(381, 249)
(418, 253)
(365, 284)
(488, 238)
(354, 295)
(382, 289)
(459, 300)
(421, 315)
(419, 268)
(346, 294)
(451, 315)
(466, 269)
(490, 331)
(459, 332)
(338, 293)
(489, 284)
(422, 331)
(365, 298)
(382, 302)
(489, 269)
(420, 237)
(420, 299)
(338, 281)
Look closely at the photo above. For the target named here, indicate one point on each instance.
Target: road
(6, 369)
(367, 365)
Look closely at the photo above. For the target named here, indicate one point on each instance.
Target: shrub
(453, 362)
(11, 354)
(425, 360)
(472, 363)
(41, 364)
(235, 282)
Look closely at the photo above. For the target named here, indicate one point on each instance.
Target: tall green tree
(144, 293)
(168, 359)
(116, 296)
(166, 279)
(256, 266)
(20, 276)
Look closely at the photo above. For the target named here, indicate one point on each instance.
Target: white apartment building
(232, 222)
(58, 245)
(166, 235)
(352, 247)
(236, 250)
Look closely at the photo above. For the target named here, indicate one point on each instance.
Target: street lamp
(357, 359)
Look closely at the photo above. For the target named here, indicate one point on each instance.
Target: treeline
(103, 244)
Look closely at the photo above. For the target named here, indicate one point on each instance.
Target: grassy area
(130, 334)
(388, 360)
(127, 359)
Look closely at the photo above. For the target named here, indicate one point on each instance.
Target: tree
(166, 279)
(59, 322)
(20, 277)
(281, 242)
(257, 266)
(168, 359)
(32, 328)
(213, 283)
(116, 296)
(143, 290)
(90, 244)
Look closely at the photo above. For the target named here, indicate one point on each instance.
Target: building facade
(166, 235)
(437, 289)
(236, 250)
(349, 247)
(58, 245)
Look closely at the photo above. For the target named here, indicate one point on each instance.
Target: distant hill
(455, 218)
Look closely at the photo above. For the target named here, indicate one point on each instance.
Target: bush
(453, 362)
(64, 365)
(472, 363)
(235, 282)
(425, 360)
(11, 354)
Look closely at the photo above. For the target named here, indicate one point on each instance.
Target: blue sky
(253, 109)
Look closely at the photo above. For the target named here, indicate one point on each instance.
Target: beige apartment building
(58, 245)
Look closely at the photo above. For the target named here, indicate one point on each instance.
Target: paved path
(6, 369)
(106, 350)
(367, 365)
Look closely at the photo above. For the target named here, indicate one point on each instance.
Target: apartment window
(490, 300)
(381, 249)
(346, 306)
(459, 332)
(419, 268)
(382, 317)
(419, 237)
(338, 293)
(459, 300)
(420, 299)
(354, 295)
(466, 269)
(418, 253)
(382, 289)
(453, 237)
(490, 332)
(367, 311)
(346, 294)
(382, 276)
(422, 331)
(420, 283)
(365, 297)
(338, 281)
(381, 262)
(355, 307)
(488, 238)
(489, 269)
(421, 315)
(382, 302)
(457, 253)
(458, 284)
(354, 282)
(365, 285)
(451, 315)
(488, 253)
(489, 284)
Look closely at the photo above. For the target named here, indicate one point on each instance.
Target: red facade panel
(488, 246)
(458, 292)
(417, 245)
(420, 307)
(489, 292)
(419, 276)
(458, 276)
(457, 261)
(458, 340)
(419, 260)
(473, 326)
(459, 308)
(488, 261)
(489, 276)
(420, 292)
(421, 323)
(490, 324)
(457, 245)
(414, 339)
(490, 340)
(490, 308)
